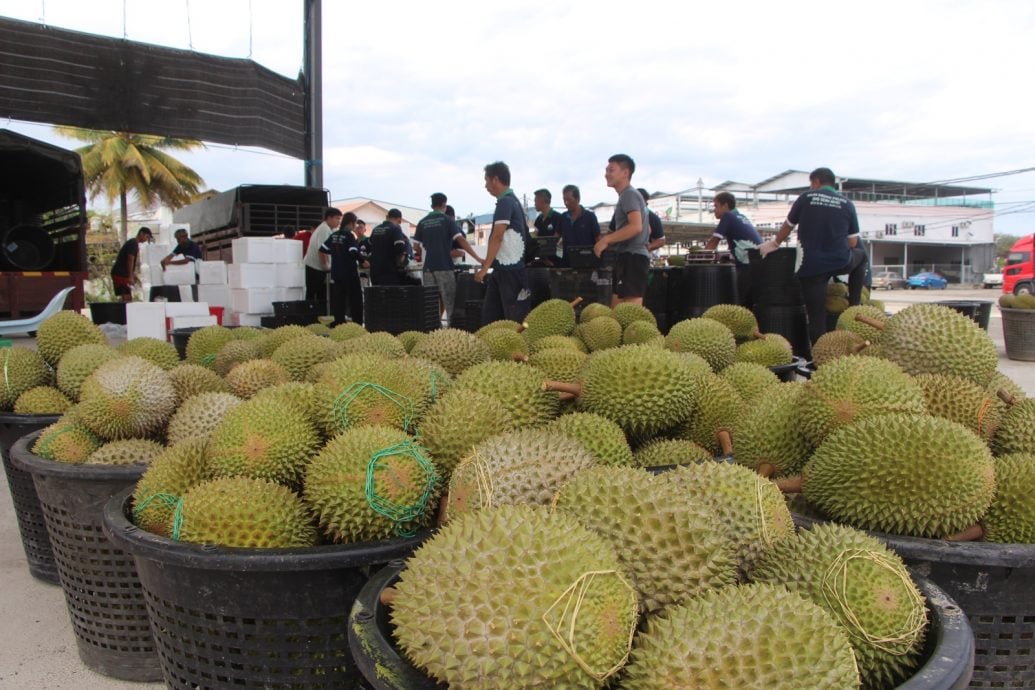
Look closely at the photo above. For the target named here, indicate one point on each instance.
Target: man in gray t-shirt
(629, 239)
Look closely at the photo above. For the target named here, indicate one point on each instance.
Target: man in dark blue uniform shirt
(583, 228)
(186, 248)
(436, 233)
(388, 251)
(828, 235)
(341, 251)
(740, 236)
(506, 293)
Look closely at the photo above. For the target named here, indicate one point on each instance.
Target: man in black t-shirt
(506, 291)
(388, 251)
(340, 254)
(124, 270)
(186, 248)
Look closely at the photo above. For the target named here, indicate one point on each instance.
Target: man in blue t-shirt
(629, 239)
(506, 291)
(828, 235)
(740, 236)
(340, 255)
(436, 233)
(583, 228)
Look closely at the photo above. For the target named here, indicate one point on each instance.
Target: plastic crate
(696, 287)
(466, 290)
(1019, 333)
(592, 285)
(398, 308)
(582, 256)
(299, 308)
(473, 315)
(977, 310)
(773, 281)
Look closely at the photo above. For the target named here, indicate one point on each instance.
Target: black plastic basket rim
(941, 550)
(143, 544)
(31, 419)
(27, 461)
(795, 364)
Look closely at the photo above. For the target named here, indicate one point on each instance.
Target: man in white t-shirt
(315, 271)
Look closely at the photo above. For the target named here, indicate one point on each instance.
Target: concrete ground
(37, 647)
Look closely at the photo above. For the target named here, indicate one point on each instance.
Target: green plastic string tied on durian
(400, 515)
(349, 395)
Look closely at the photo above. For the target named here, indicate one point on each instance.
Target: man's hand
(479, 277)
(600, 247)
(767, 248)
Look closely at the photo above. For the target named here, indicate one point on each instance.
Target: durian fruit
(642, 332)
(298, 395)
(934, 339)
(247, 513)
(853, 388)
(371, 483)
(837, 297)
(768, 436)
(410, 338)
(750, 380)
(1008, 301)
(865, 329)
(672, 547)
(127, 397)
(458, 421)
(198, 416)
(740, 320)
(160, 352)
(602, 333)
(233, 353)
(592, 311)
(248, 333)
(130, 451)
(518, 386)
(347, 331)
(22, 369)
(705, 337)
(1002, 385)
(551, 317)
(1011, 517)
(298, 355)
(604, 439)
(865, 587)
(753, 636)
(505, 345)
(1025, 302)
(1016, 431)
(248, 378)
(936, 478)
(262, 439)
(559, 363)
(546, 607)
(169, 476)
(770, 350)
(719, 407)
(78, 363)
(840, 343)
(204, 344)
(877, 304)
(322, 329)
(697, 364)
(452, 349)
(63, 331)
(959, 400)
(42, 400)
(751, 510)
(627, 312)
(663, 452)
(558, 341)
(641, 388)
(384, 344)
(66, 441)
(522, 466)
(502, 323)
(191, 379)
(272, 340)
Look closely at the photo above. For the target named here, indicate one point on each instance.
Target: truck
(1019, 271)
(42, 225)
(250, 211)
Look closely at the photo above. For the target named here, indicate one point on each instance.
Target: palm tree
(116, 164)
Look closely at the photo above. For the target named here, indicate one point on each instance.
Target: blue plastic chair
(31, 324)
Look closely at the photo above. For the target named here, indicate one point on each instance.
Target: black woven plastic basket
(254, 618)
(102, 591)
(27, 511)
(696, 287)
(398, 308)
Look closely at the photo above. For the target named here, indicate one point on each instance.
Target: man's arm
(495, 241)
(626, 232)
(466, 246)
(712, 242)
(654, 244)
(325, 256)
(131, 266)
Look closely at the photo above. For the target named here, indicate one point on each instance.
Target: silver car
(888, 280)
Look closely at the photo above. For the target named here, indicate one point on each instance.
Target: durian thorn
(388, 595)
(859, 347)
(972, 533)
(566, 396)
(519, 357)
(766, 469)
(576, 302)
(562, 387)
(869, 321)
(725, 441)
(1006, 396)
(789, 485)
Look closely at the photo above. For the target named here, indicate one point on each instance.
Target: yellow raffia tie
(763, 524)
(835, 585)
(573, 597)
(986, 406)
(483, 479)
(7, 380)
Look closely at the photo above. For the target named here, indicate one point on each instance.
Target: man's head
(332, 217)
(450, 212)
(822, 177)
(542, 200)
(288, 233)
(619, 171)
(571, 196)
(394, 216)
(348, 220)
(181, 236)
(644, 193)
(497, 178)
(438, 201)
(144, 235)
(723, 203)
(361, 227)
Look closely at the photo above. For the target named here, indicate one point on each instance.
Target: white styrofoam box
(186, 293)
(153, 274)
(253, 300)
(287, 251)
(242, 276)
(173, 309)
(152, 253)
(180, 274)
(252, 250)
(145, 320)
(192, 321)
(212, 273)
(167, 233)
(215, 295)
(290, 275)
(289, 294)
(253, 320)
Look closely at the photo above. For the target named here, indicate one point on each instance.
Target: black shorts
(123, 285)
(630, 275)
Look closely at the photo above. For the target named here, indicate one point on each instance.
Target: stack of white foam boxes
(151, 274)
(265, 270)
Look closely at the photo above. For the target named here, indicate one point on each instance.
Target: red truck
(1019, 271)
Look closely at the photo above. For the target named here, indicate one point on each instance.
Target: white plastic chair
(31, 324)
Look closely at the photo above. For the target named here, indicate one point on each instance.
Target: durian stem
(859, 347)
(972, 533)
(1006, 396)
(863, 318)
(562, 387)
(566, 396)
(523, 327)
(790, 485)
(388, 595)
(766, 469)
(576, 302)
(758, 335)
(443, 511)
(725, 441)
(519, 357)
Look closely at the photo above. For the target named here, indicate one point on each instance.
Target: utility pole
(312, 71)
(700, 200)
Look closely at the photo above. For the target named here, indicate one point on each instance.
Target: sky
(418, 97)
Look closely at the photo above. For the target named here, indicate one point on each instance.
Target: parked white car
(992, 280)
